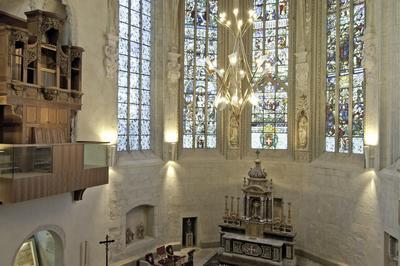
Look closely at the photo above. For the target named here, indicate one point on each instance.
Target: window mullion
(194, 76)
(337, 75)
(140, 75)
(128, 122)
(206, 77)
(351, 71)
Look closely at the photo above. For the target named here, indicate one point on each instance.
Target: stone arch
(58, 235)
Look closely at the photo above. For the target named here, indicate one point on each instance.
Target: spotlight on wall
(369, 156)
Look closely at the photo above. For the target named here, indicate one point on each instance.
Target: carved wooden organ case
(40, 80)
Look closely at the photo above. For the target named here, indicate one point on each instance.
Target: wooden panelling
(44, 115)
(31, 115)
(52, 116)
(68, 175)
(63, 116)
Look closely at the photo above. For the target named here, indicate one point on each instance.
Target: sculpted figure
(302, 127)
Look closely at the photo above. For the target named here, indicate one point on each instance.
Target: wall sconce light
(172, 154)
(369, 156)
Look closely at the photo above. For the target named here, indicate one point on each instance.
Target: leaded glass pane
(134, 75)
(199, 116)
(269, 122)
(345, 94)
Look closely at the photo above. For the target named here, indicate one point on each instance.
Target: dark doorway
(189, 228)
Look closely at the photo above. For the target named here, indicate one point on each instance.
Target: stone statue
(255, 209)
(140, 231)
(234, 130)
(129, 236)
(302, 131)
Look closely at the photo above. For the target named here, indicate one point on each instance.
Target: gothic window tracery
(134, 72)
(269, 119)
(200, 41)
(345, 76)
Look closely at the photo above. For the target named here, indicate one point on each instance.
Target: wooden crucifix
(107, 243)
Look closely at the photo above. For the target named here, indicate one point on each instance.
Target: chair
(149, 258)
(161, 252)
(170, 251)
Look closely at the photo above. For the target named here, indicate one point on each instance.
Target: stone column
(262, 208)
(247, 206)
(302, 143)
(173, 73)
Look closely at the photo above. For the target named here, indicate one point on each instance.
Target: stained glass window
(199, 113)
(134, 75)
(269, 121)
(345, 94)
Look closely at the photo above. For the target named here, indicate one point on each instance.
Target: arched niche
(139, 224)
(44, 246)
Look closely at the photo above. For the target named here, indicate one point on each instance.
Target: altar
(264, 232)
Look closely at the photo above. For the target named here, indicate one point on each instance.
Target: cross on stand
(107, 243)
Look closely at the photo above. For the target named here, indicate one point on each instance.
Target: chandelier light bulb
(242, 74)
(235, 99)
(236, 11)
(253, 99)
(240, 23)
(228, 23)
(251, 20)
(233, 59)
(222, 15)
(251, 12)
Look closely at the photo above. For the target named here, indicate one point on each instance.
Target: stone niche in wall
(139, 224)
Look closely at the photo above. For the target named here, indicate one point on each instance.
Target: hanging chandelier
(238, 82)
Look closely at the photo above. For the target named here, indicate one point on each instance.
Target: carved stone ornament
(63, 59)
(17, 110)
(31, 55)
(18, 89)
(111, 56)
(302, 122)
(75, 54)
(257, 171)
(234, 129)
(20, 36)
(50, 23)
(76, 94)
(302, 104)
(174, 67)
(16, 36)
(302, 131)
(49, 94)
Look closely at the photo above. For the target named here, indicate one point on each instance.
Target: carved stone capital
(174, 67)
(50, 23)
(111, 55)
(17, 110)
(18, 89)
(49, 94)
